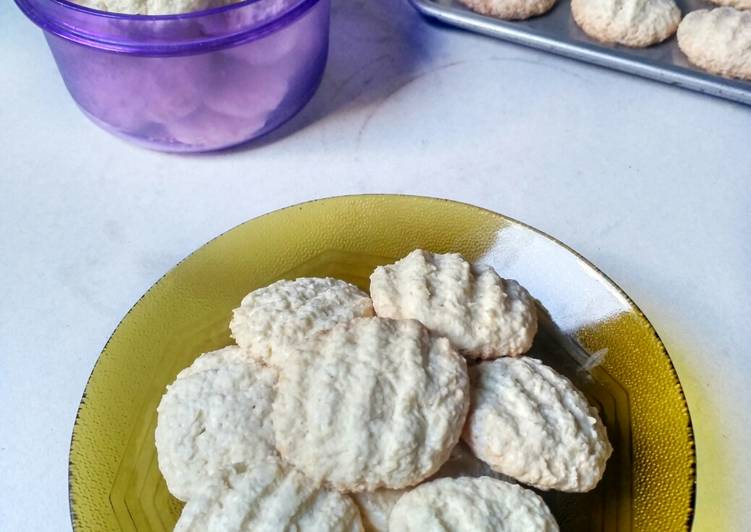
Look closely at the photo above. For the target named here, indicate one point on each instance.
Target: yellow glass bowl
(115, 483)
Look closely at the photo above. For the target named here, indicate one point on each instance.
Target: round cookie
(290, 311)
(718, 40)
(737, 4)
(530, 423)
(510, 9)
(634, 23)
(483, 315)
(371, 403)
(268, 498)
(375, 506)
(213, 419)
(471, 505)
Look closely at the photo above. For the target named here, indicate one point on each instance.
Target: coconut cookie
(214, 418)
(482, 314)
(635, 23)
(471, 505)
(290, 311)
(530, 423)
(375, 507)
(373, 403)
(153, 7)
(718, 40)
(510, 9)
(267, 498)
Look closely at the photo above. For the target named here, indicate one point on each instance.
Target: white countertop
(650, 182)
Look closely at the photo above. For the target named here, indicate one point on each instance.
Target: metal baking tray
(557, 32)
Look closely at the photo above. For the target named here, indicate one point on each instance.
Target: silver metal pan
(557, 32)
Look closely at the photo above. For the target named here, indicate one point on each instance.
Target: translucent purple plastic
(194, 82)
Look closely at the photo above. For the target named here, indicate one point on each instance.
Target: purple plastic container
(193, 82)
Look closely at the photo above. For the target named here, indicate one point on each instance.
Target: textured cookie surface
(530, 423)
(215, 417)
(635, 23)
(153, 7)
(375, 506)
(718, 40)
(371, 403)
(482, 314)
(268, 498)
(290, 311)
(510, 9)
(471, 505)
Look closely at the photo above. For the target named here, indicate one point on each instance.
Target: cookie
(471, 505)
(483, 315)
(290, 311)
(375, 506)
(510, 9)
(530, 423)
(737, 4)
(241, 90)
(718, 40)
(268, 498)
(214, 418)
(634, 23)
(373, 403)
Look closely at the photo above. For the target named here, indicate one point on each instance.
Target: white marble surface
(650, 182)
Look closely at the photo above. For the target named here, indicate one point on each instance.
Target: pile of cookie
(717, 40)
(338, 412)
